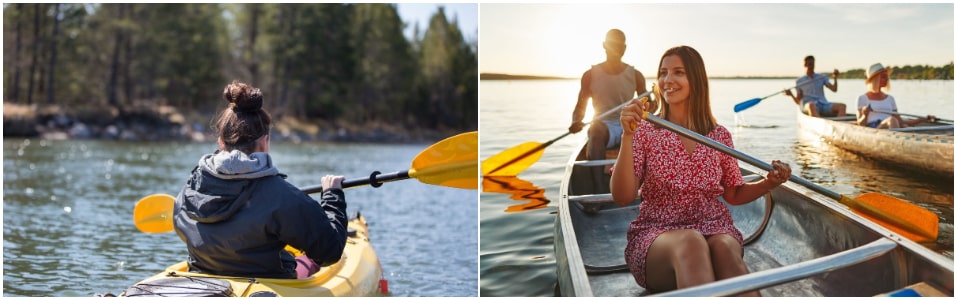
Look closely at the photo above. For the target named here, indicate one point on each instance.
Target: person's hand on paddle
(836, 73)
(576, 127)
(780, 174)
(631, 114)
(332, 182)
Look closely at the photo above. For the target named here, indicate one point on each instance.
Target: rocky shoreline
(168, 124)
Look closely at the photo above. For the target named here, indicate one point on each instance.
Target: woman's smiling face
(673, 80)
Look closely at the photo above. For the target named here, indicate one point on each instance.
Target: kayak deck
(357, 273)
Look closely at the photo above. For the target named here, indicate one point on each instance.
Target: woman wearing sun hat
(874, 100)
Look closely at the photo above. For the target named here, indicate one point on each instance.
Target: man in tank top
(607, 84)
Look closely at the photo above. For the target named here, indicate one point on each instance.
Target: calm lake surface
(68, 226)
(516, 249)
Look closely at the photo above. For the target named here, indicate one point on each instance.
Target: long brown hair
(701, 120)
(243, 121)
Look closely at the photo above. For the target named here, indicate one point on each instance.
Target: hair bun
(242, 97)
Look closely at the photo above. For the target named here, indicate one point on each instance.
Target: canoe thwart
(599, 270)
(592, 163)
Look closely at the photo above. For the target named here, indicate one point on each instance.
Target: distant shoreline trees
(921, 72)
(337, 62)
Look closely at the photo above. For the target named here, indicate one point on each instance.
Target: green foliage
(945, 72)
(339, 62)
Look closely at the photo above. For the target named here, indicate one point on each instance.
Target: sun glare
(572, 36)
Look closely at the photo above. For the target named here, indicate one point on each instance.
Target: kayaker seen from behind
(810, 93)
(684, 236)
(878, 81)
(237, 213)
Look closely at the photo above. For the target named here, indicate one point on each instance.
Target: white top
(886, 104)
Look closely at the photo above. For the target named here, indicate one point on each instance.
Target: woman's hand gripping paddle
(902, 217)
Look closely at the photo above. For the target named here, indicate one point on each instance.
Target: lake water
(68, 228)
(516, 248)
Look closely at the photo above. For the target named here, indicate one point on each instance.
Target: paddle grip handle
(375, 179)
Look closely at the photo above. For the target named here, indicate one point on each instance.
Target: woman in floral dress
(683, 235)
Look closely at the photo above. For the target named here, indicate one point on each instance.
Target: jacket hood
(222, 183)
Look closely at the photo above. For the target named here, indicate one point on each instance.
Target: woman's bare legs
(678, 259)
(685, 258)
(726, 255)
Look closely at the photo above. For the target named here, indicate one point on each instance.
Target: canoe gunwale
(568, 254)
(908, 148)
(907, 261)
(762, 279)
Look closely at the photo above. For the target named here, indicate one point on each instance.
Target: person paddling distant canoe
(878, 81)
(810, 93)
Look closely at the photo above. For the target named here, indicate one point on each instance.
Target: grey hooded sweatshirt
(237, 213)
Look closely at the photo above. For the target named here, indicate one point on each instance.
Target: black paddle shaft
(375, 180)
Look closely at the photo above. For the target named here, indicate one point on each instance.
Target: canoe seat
(593, 204)
(592, 163)
(844, 118)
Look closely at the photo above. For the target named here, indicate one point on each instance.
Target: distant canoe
(928, 147)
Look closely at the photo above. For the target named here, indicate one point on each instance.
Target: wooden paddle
(516, 159)
(452, 162)
(914, 116)
(905, 218)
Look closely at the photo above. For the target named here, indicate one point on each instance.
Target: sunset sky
(734, 39)
(466, 14)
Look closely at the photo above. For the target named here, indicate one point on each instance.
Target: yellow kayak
(358, 273)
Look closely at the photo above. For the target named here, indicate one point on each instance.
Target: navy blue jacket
(239, 227)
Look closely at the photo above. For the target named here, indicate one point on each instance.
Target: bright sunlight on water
(517, 255)
(68, 227)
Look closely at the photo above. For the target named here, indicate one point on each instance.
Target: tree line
(945, 72)
(346, 62)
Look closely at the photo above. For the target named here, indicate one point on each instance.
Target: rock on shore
(166, 123)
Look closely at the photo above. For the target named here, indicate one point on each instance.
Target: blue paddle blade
(746, 104)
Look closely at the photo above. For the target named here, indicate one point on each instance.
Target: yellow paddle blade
(452, 162)
(521, 190)
(513, 160)
(154, 213)
(905, 218)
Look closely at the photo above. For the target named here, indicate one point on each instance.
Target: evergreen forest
(346, 63)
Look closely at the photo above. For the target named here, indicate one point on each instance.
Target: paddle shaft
(752, 102)
(910, 115)
(375, 180)
(735, 153)
(867, 208)
(549, 143)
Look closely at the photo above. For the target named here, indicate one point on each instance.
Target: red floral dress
(678, 191)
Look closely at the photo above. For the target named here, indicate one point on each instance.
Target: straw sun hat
(874, 70)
